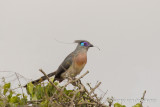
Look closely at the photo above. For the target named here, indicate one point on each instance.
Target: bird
(72, 65)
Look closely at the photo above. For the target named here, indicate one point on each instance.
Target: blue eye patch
(84, 44)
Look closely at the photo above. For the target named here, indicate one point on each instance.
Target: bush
(53, 95)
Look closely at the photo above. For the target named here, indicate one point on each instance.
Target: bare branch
(19, 84)
(95, 88)
(81, 76)
(72, 81)
(86, 102)
(91, 98)
(53, 84)
(77, 91)
(142, 98)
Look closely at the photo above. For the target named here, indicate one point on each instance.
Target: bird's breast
(80, 62)
(80, 59)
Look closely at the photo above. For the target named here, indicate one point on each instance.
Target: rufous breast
(81, 59)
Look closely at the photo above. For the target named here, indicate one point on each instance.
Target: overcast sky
(126, 31)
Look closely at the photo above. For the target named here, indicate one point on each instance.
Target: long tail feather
(35, 82)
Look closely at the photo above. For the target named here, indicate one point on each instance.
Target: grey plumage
(72, 64)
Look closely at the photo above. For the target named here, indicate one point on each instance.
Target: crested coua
(72, 64)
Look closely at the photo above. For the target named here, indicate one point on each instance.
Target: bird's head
(83, 44)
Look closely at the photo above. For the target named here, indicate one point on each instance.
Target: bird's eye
(84, 44)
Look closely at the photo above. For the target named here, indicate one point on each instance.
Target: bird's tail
(35, 82)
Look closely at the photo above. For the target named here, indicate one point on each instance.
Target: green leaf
(44, 104)
(6, 87)
(39, 91)
(18, 95)
(30, 87)
(23, 100)
(10, 94)
(14, 99)
(34, 98)
(50, 90)
(137, 105)
(51, 79)
(118, 105)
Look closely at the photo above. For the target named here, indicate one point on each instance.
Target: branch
(54, 84)
(73, 81)
(91, 98)
(81, 76)
(19, 84)
(86, 102)
(95, 88)
(142, 99)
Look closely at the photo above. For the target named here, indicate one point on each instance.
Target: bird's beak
(91, 45)
(94, 46)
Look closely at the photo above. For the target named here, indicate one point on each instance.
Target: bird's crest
(79, 41)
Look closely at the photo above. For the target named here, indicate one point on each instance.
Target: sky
(126, 31)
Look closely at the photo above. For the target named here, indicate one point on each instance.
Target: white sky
(126, 31)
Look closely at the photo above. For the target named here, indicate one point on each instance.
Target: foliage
(9, 98)
(137, 105)
(118, 105)
(47, 95)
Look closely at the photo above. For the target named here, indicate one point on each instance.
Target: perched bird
(72, 64)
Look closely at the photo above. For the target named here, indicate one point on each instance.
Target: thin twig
(81, 76)
(72, 81)
(95, 95)
(103, 96)
(142, 99)
(86, 102)
(31, 102)
(54, 84)
(77, 91)
(19, 84)
(91, 98)
(110, 101)
(95, 88)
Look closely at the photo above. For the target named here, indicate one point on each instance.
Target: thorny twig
(19, 84)
(86, 102)
(95, 95)
(81, 76)
(142, 98)
(110, 101)
(73, 98)
(91, 98)
(95, 88)
(72, 81)
(53, 84)
(103, 96)
(80, 90)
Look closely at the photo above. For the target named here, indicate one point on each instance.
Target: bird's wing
(62, 68)
(65, 65)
